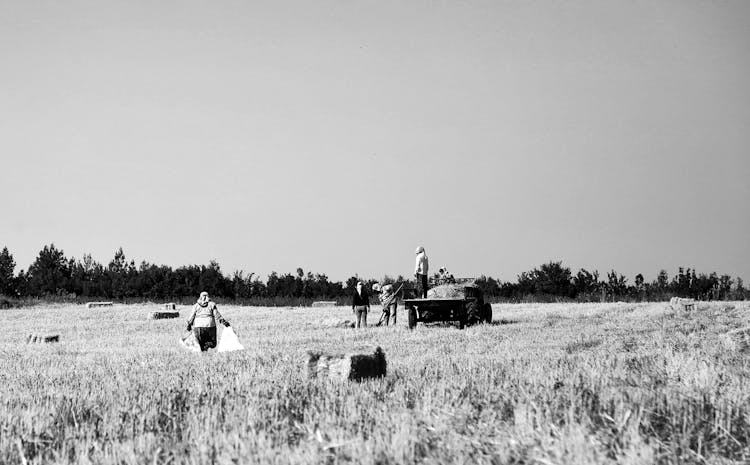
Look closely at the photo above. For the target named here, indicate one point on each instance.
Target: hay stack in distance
(39, 339)
(170, 306)
(98, 304)
(324, 303)
(356, 365)
(161, 315)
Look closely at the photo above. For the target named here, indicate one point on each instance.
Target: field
(544, 384)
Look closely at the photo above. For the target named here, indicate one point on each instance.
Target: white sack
(228, 341)
(190, 343)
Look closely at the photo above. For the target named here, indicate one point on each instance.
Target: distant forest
(54, 277)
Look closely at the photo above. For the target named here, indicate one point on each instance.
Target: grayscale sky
(337, 136)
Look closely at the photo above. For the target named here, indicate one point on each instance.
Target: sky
(337, 136)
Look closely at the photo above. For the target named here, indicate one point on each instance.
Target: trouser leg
(361, 316)
(206, 337)
(422, 285)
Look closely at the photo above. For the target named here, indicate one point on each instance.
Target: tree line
(54, 276)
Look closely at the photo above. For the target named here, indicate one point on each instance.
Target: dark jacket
(358, 300)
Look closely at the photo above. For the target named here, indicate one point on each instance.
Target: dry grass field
(544, 384)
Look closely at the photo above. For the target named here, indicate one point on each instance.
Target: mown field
(544, 384)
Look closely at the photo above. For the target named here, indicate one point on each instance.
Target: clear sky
(337, 136)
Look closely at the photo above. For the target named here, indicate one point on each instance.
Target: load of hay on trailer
(462, 303)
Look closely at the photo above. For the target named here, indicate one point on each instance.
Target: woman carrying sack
(202, 322)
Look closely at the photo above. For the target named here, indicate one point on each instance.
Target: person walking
(421, 268)
(361, 304)
(203, 320)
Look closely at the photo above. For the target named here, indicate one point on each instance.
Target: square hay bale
(42, 339)
(98, 304)
(170, 306)
(324, 303)
(161, 315)
(356, 365)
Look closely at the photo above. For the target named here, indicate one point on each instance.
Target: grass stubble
(544, 384)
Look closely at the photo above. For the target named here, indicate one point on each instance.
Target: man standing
(360, 305)
(420, 272)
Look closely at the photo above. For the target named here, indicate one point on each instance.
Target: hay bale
(40, 339)
(161, 315)
(356, 365)
(338, 324)
(324, 303)
(170, 306)
(98, 304)
(679, 303)
(740, 339)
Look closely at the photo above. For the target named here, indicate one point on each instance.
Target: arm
(218, 316)
(191, 318)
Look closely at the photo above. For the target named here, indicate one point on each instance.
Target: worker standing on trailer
(360, 304)
(421, 269)
(202, 321)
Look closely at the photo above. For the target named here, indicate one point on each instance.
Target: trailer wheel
(473, 315)
(412, 317)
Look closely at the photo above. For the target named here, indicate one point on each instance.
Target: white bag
(228, 341)
(190, 343)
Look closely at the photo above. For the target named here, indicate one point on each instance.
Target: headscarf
(203, 299)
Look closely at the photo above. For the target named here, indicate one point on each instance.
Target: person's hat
(419, 249)
(376, 287)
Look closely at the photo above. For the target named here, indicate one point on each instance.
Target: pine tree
(7, 265)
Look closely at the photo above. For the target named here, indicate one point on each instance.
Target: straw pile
(98, 304)
(447, 291)
(161, 315)
(170, 306)
(34, 339)
(324, 303)
(357, 365)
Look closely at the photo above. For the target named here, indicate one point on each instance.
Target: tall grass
(555, 383)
